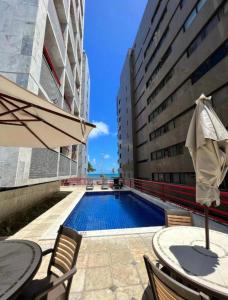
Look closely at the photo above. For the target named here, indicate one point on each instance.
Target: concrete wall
(17, 200)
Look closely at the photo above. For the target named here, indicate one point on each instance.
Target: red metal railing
(51, 65)
(181, 195)
(84, 181)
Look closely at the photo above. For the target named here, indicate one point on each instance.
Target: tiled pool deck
(110, 263)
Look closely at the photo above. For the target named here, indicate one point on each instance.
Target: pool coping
(76, 196)
(52, 230)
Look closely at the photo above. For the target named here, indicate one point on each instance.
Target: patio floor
(109, 267)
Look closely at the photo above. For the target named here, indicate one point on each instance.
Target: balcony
(53, 17)
(72, 37)
(66, 5)
(49, 84)
(70, 74)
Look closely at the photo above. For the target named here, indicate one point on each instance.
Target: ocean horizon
(107, 175)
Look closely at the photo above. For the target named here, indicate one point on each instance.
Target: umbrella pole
(206, 210)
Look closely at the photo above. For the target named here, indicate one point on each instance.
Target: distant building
(84, 113)
(180, 51)
(41, 49)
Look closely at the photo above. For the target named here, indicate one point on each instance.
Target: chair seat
(33, 289)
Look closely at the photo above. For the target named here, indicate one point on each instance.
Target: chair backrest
(89, 182)
(65, 253)
(175, 217)
(166, 288)
(116, 181)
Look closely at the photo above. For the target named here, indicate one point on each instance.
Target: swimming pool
(114, 210)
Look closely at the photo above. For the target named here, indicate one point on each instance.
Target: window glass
(200, 4)
(190, 19)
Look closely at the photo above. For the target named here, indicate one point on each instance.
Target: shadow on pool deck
(109, 267)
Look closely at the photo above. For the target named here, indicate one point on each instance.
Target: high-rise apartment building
(41, 49)
(84, 113)
(180, 52)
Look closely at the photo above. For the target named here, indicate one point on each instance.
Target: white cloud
(106, 156)
(101, 129)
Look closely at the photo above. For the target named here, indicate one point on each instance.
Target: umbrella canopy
(29, 121)
(207, 141)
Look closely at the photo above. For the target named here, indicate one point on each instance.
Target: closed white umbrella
(27, 120)
(207, 141)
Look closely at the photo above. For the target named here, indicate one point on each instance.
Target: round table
(182, 248)
(19, 262)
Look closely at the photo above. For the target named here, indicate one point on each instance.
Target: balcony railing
(66, 6)
(66, 106)
(70, 74)
(56, 28)
(49, 84)
(181, 195)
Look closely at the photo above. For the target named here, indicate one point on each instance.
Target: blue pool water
(114, 210)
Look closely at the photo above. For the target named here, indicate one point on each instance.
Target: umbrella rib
(14, 110)
(73, 118)
(10, 124)
(21, 120)
(25, 125)
(46, 122)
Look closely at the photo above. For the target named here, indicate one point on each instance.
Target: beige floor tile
(124, 275)
(40, 275)
(130, 293)
(98, 278)
(117, 243)
(106, 294)
(44, 264)
(75, 296)
(82, 260)
(97, 245)
(141, 268)
(121, 257)
(137, 254)
(78, 281)
(148, 242)
(136, 242)
(98, 259)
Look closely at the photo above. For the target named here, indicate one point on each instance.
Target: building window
(159, 66)
(177, 178)
(142, 161)
(141, 128)
(161, 108)
(141, 144)
(141, 111)
(207, 29)
(209, 63)
(170, 151)
(158, 47)
(160, 86)
(155, 34)
(193, 14)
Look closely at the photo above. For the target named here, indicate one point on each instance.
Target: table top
(19, 261)
(182, 248)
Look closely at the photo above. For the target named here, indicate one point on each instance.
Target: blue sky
(110, 29)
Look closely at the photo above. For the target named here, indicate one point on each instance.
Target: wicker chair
(175, 217)
(166, 288)
(61, 269)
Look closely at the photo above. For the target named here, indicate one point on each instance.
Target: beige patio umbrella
(27, 120)
(207, 141)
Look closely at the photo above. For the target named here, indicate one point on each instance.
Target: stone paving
(109, 267)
